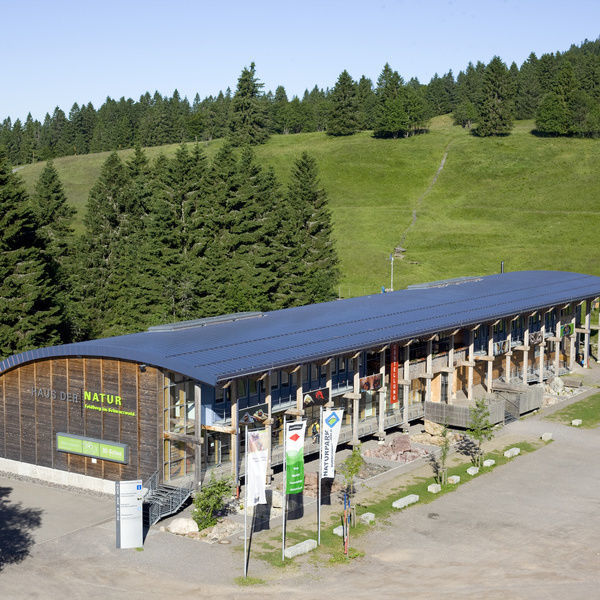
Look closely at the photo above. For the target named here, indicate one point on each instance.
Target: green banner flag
(294, 456)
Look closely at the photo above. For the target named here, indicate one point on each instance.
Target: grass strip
(588, 410)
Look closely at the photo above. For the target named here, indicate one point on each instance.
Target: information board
(77, 444)
(129, 513)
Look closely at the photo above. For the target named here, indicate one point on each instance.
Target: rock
(301, 548)
(182, 526)
(454, 479)
(433, 428)
(400, 443)
(434, 488)
(277, 499)
(405, 501)
(512, 452)
(473, 470)
(546, 437)
(576, 422)
(339, 530)
(367, 518)
(557, 385)
(489, 462)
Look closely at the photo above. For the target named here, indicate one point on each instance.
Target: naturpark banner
(332, 424)
(256, 461)
(294, 456)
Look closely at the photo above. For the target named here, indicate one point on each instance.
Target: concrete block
(454, 479)
(473, 470)
(576, 422)
(511, 452)
(339, 530)
(489, 462)
(546, 437)
(405, 501)
(367, 518)
(434, 488)
(301, 548)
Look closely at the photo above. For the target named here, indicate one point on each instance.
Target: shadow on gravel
(16, 523)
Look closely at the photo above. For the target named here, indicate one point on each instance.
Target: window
(274, 380)
(219, 395)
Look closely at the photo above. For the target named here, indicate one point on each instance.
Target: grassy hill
(532, 202)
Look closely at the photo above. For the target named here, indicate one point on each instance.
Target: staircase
(163, 500)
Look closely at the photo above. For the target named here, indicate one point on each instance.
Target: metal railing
(163, 500)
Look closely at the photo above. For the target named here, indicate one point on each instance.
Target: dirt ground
(527, 530)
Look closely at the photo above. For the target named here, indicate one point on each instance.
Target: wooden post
(330, 381)
(268, 426)
(355, 400)
(509, 351)
(406, 386)
(299, 392)
(428, 370)
(542, 363)
(557, 344)
(235, 436)
(490, 365)
(451, 374)
(573, 337)
(470, 367)
(198, 436)
(381, 412)
(526, 352)
(586, 335)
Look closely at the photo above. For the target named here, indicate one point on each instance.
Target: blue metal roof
(217, 351)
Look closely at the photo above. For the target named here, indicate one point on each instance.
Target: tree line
(178, 239)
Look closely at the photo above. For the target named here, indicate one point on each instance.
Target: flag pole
(284, 503)
(319, 477)
(246, 505)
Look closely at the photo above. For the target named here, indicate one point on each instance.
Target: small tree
(351, 468)
(480, 428)
(210, 500)
(438, 464)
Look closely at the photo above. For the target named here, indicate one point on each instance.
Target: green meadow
(532, 202)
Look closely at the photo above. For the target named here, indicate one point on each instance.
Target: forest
(560, 90)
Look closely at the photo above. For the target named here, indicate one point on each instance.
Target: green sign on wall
(77, 444)
(568, 329)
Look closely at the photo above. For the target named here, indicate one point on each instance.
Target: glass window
(285, 378)
(241, 388)
(274, 380)
(219, 395)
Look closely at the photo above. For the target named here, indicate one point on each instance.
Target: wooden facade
(101, 398)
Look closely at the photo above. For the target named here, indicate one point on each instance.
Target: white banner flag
(256, 461)
(332, 424)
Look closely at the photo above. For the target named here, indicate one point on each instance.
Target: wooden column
(197, 436)
(451, 374)
(330, 382)
(406, 385)
(355, 400)
(235, 436)
(509, 352)
(526, 351)
(382, 392)
(269, 426)
(573, 337)
(542, 363)
(470, 367)
(586, 335)
(299, 392)
(490, 365)
(557, 343)
(428, 370)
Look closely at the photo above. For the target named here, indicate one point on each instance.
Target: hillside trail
(420, 199)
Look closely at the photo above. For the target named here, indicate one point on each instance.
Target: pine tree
(528, 89)
(343, 113)
(247, 124)
(280, 111)
(497, 106)
(312, 251)
(367, 103)
(29, 313)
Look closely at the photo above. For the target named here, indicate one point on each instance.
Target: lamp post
(392, 272)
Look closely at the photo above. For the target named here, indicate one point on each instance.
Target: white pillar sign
(129, 509)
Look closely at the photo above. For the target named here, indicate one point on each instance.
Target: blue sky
(56, 52)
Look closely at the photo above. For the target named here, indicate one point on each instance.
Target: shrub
(210, 500)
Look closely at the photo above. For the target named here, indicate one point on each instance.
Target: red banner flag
(394, 374)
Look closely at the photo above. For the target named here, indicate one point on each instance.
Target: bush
(210, 500)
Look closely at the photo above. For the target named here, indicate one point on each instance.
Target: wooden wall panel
(28, 403)
(111, 421)
(93, 418)
(43, 411)
(2, 421)
(150, 421)
(13, 415)
(60, 409)
(76, 411)
(129, 424)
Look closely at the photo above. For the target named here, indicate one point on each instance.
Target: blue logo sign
(139, 487)
(332, 419)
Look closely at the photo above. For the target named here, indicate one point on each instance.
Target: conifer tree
(248, 121)
(343, 108)
(497, 106)
(367, 103)
(29, 312)
(528, 89)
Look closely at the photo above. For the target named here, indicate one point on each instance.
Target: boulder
(454, 479)
(511, 452)
(339, 530)
(301, 548)
(433, 428)
(405, 501)
(489, 462)
(473, 470)
(546, 437)
(367, 518)
(557, 385)
(400, 443)
(434, 488)
(576, 422)
(182, 526)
